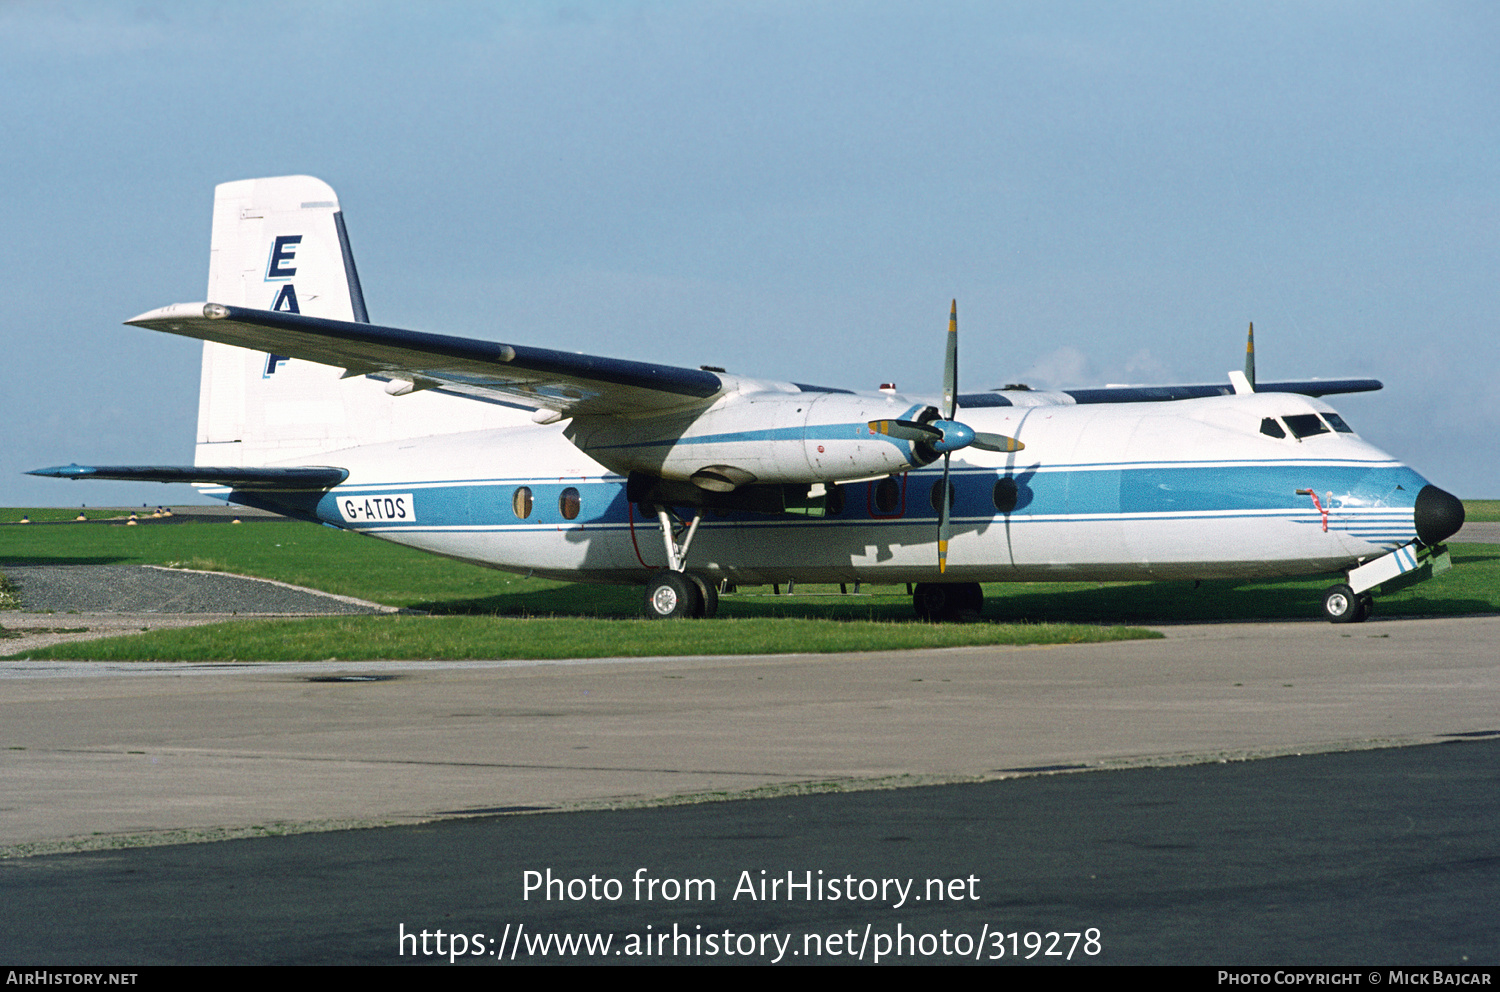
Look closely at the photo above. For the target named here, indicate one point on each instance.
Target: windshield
(1306, 424)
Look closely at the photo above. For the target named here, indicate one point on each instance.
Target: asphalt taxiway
(97, 751)
(1342, 846)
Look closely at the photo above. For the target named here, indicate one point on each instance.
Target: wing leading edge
(569, 383)
(1161, 394)
(540, 378)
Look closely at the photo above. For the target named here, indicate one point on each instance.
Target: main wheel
(931, 601)
(970, 596)
(1342, 605)
(708, 595)
(671, 596)
(942, 601)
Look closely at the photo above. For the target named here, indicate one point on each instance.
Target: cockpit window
(1306, 424)
(1271, 427)
(1337, 423)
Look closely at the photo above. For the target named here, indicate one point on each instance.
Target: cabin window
(521, 502)
(1306, 424)
(568, 503)
(1005, 495)
(1271, 427)
(937, 494)
(1337, 423)
(887, 495)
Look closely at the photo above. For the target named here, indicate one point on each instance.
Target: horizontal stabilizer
(299, 478)
(538, 378)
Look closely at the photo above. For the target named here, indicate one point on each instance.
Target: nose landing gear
(1341, 604)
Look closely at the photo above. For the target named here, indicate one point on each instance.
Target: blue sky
(788, 190)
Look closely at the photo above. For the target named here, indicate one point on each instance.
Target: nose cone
(1438, 515)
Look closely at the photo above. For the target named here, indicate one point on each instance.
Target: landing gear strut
(677, 592)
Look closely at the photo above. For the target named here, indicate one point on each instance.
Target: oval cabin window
(568, 503)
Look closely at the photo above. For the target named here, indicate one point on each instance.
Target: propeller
(945, 435)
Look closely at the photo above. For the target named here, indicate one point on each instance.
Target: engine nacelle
(760, 437)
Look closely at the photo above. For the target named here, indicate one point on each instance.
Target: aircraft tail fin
(280, 244)
(277, 244)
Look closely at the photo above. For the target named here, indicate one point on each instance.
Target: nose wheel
(1342, 604)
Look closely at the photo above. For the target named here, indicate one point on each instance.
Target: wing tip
(178, 311)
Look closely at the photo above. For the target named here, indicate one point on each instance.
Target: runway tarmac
(1329, 858)
(1176, 851)
(97, 752)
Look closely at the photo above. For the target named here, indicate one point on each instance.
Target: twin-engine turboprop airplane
(577, 467)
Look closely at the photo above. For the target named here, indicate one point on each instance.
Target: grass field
(554, 619)
(544, 619)
(1482, 510)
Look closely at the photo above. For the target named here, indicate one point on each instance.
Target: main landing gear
(678, 593)
(939, 601)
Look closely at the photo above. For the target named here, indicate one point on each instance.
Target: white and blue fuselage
(1193, 489)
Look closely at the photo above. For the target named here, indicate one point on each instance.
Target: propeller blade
(950, 367)
(995, 442)
(944, 526)
(946, 435)
(906, 430)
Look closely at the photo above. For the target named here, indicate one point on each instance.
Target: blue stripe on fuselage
(1382, 494)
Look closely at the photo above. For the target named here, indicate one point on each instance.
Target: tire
(671, 596)
(945, 602)
(708, 595)
(970, 597)
(930, 600)
(1342, 605)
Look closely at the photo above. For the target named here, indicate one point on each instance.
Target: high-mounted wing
(540, 378)
(1161, 394)
(1238, 382)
